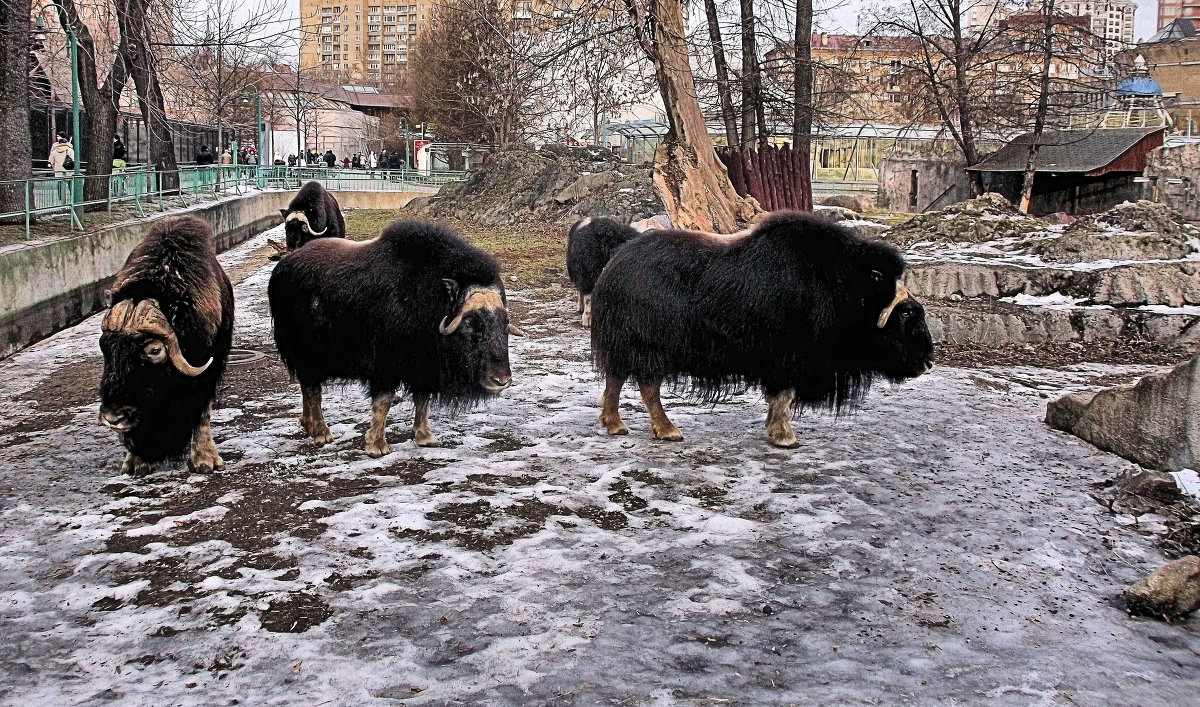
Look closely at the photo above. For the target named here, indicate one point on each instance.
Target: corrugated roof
(1065, 150)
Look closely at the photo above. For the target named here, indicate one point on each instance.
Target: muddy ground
(940, 546)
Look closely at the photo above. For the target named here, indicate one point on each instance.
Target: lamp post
(40, 32)
(407, 152)
(257, 127)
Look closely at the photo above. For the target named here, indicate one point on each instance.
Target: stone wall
(939, 178)
(1174, 173)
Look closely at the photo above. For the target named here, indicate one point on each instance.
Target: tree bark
(690, 178)
(132, 15)
(1039, 118)
(802, 96)
(723, 91)
(750, 97)
(14, 102)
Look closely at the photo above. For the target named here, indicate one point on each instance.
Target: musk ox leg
(134, 466)
(376, 442)
(579, 309)
(421, 434)
(779, 414)
(311, 417)
(660, 426)
(203, 457)
(610, 402)
(587, 310)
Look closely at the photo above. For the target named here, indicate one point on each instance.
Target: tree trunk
(14, 102)
(1039, 118)
(687, 173)
(100, 100)
(135, 41)
(802, 95)
(723, 91)
(750, 97)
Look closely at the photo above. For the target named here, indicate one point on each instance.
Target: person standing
(330, 159)
(62, 161)
(204, 161)
(345, 163)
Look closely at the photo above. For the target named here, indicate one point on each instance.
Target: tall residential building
(1110, 20)
(1174, 9)
(362, 44)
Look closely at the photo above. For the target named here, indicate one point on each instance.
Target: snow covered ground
(938, 546)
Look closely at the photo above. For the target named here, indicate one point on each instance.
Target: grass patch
(534, 254)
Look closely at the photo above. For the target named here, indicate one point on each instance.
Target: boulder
(1154, 422)
(834, 214)
(858, 203)
(1169, 592)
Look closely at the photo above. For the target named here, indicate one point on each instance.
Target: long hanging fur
(791, 304)
(591, 243)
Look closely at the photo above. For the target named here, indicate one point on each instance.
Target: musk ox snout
(122, 418)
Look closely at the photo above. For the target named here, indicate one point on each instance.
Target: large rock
(1170, 592)
(1089, 246)
(859, 203)
(1155, 422)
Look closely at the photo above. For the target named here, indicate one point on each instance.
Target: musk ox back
(165, 341)
(313, 213)
(590, 244)
(808, 311)
(417, 308)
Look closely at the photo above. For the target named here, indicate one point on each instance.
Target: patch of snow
(1188, 482)
(1191, 310)
(1054, 300)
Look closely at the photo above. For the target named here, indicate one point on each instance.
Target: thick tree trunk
(687, 173)
(750, 97)
(14, 102)
(723, 90)
(802, 98)
(135, 45)
(1039, 118)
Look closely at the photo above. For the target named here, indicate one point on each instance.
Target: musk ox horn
(477, 298)
(303, 219)
(145, 317)
(901, 295)
(515, 330)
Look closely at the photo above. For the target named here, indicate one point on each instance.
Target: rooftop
(1066, 150)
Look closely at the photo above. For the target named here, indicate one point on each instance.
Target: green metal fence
(139, 189)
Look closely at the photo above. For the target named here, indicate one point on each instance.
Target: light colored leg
(587, 310)
(580, 308)
(610, 415)
(421, 434)
(134, 466)
(660, 426)
(779, 414)
(311, 417)
(376, 442)
(203, 457)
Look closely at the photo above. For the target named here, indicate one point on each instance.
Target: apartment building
(1110, 20)
(362, 44)
(1169, 10)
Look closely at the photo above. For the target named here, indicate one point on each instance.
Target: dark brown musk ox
(313, 213)
(165, 339)
(807, 311)
(591, 242)
(416, 308)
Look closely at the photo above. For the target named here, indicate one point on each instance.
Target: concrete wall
(940, 178)
(376, 199)
(1174, 173)
(48, 285)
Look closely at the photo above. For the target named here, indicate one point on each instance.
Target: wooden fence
(777, 177)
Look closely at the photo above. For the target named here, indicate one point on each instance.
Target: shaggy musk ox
(590, 244)
(807, 311)
(418, 307)
(165, 340)
(313, 213)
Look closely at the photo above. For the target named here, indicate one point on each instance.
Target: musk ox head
(474, 339)
(899, 346)
(143, 365)
(297, 230)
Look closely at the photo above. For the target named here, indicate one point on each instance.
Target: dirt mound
(1136, 217)
(985, 218)
(554, 184)
(1130, 231)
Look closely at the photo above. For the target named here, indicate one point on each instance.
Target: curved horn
(315, 233)
(452, 326)
(515, 330)
(181, 363)
(477, 298)
(145, 317)
(901, 295)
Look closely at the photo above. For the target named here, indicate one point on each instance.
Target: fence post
(158, 185)
(28, 186)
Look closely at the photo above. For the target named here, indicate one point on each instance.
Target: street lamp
(407, 152)
(39, 27)
(257, 127)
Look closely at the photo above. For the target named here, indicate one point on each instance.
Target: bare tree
(140, 55)
(724, 94)
(802, 92)
(14, 101)
(1043, 104)
(605, 76)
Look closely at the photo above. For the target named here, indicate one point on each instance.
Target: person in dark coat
(205, 156)
(118, 148)
(330, 159)
(291, 161)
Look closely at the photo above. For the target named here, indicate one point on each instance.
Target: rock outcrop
(985, 218)
(1155, 422)
(1170, 592)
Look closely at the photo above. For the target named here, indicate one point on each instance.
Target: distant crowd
(311, 158)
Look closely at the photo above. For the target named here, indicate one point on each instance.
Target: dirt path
(939, 546)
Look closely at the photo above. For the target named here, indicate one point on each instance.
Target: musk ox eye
(876, 276)
(155, 351)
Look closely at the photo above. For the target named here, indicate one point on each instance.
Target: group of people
(359, 160)
(246, 156)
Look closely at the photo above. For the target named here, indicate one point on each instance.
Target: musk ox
(591, 242)
(165, 339)
(313, 213)
(807, 311)
(417, 308)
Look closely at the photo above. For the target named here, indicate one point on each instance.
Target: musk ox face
(297, 230)
(474, 343)
(902, 347)
(143, 365)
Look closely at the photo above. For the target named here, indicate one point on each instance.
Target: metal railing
(136, 190)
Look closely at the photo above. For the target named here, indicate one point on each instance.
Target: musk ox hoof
(425, 440)
(204, 460)
(134, 466)
(613, 427)
(667, 434)
(376, 449)
(322, 437)
(788, 442)
(586, 319)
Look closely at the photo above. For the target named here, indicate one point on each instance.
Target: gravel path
(940, 546)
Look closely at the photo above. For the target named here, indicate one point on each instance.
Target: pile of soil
(556, 184)
(1130, 231)
(985, 218)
